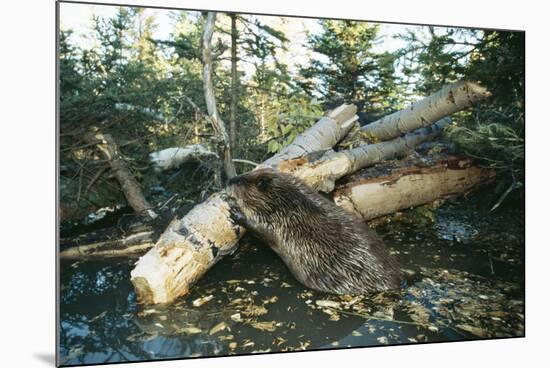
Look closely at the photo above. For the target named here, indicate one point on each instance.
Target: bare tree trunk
(207, 72)
(448, 100)
(130, 187)
(234, 81)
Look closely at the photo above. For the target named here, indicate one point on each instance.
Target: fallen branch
(132, 245)
(130, 187)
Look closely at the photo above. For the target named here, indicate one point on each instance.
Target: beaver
(325, 247)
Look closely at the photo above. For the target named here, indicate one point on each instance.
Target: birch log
(185, 251)
(374, 195)
(130, 187)
(321, 174)
(193, 244)
(174, 157)
(448, 100)
(323, 135)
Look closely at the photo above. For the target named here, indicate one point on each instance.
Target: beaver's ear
(263, 183)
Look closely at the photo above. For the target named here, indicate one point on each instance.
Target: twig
(245, 161)
(197, 109)
(94, 179)
(490, 262)
(505, 194)
(168, 201)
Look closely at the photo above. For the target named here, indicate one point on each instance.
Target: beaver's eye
(263, 183)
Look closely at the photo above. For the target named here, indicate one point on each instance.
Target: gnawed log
(448, 100)
(385, 188)
(185, 251)
(322, 173)
(130, 187)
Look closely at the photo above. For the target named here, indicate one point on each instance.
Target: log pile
(194, 243)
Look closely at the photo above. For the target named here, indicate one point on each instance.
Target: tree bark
(174, 157)
(234, 81)
(130, 187)
(371, 195)
(448, 100)
(207, 71)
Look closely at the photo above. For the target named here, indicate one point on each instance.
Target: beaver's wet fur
(325, 247)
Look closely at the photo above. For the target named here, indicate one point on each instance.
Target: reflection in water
(467, 271)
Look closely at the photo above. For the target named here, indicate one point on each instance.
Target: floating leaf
(327, 303)
(264, 326)
(217, 328)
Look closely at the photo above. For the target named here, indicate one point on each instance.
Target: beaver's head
(265, 193)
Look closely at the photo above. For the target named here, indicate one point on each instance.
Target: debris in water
(200, 301)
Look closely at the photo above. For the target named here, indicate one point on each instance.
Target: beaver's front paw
(237, 216)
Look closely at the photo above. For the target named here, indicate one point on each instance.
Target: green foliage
(296, 114)
(495, 144)
(435, 57)
(349, 69)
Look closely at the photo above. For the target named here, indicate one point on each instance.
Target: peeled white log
(185, 251)
(174, 157)
(448, 100)
(404, 187)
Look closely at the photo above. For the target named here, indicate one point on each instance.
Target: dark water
(466, 282)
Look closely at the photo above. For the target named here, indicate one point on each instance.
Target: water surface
(466, 281)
